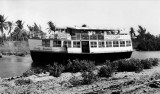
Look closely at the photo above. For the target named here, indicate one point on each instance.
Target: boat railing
(86, 36)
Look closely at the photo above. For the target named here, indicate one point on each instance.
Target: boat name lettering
(37, 48)
(47, 49)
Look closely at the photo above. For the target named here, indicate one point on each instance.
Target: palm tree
(142, 32)
(35, 31)
(52, 27)
(132, 32)
(10, 25)
(3, 25)
(19, 33)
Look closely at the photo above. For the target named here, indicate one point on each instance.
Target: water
(14, 65)
(145, 54)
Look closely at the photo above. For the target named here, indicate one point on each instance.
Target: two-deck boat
(81, 43)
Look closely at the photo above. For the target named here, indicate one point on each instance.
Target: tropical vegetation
(144, 41)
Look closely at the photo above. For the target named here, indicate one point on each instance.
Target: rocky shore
(145, 82)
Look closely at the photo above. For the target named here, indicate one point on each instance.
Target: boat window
(78, 36)
(68, 43)
(93, 44)
(115, 44)
(93, 37)
(84, 36)
(100, 37)
(128, 43)
(122, 43)
(76, 44)
(46, 43)
(56, 43)
(108, 43)
(101, 44)
(73, 37)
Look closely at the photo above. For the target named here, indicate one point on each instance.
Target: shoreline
(128, 81)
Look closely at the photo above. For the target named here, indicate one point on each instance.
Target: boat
(81, 43)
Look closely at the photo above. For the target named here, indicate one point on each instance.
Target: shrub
(115, 65)
(127, 65)
(146, 64)
(88, 78)
(75, 81)
(28, 73)
(154, 61)
(33, 71)
(23, 82)
(55, 69)
(105, 71)
(80, 66)
(135, 65)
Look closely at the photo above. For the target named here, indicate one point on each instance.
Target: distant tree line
(144, 40)
(16, 31)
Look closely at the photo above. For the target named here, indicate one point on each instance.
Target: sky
(116, 14)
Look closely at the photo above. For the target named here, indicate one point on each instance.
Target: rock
(64, 77)
(36, 78)
(43, 74)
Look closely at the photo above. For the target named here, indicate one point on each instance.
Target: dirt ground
(145, 82)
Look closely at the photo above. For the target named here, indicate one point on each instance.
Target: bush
(127, 65)
(33, 71)
(55, 69)
(105, 71)
(28, 73)
(23, 82)
(135, 65)
(147, 64)
(154, 61)
(75, 81)
(80, 66)
(88, 78)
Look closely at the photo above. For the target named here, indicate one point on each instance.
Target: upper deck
(89, 34)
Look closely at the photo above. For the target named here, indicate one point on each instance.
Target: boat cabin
(86, 40)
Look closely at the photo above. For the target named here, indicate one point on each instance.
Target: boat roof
(91, 29)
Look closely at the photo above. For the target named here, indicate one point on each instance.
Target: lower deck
(45, 57)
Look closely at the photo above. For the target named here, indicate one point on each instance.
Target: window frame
(116, 43)
(77, 44)
(93, 44)
(101, 44)
(57, 43)
(128, 43)
(46, 43)
(109, 44)
(122, 44)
